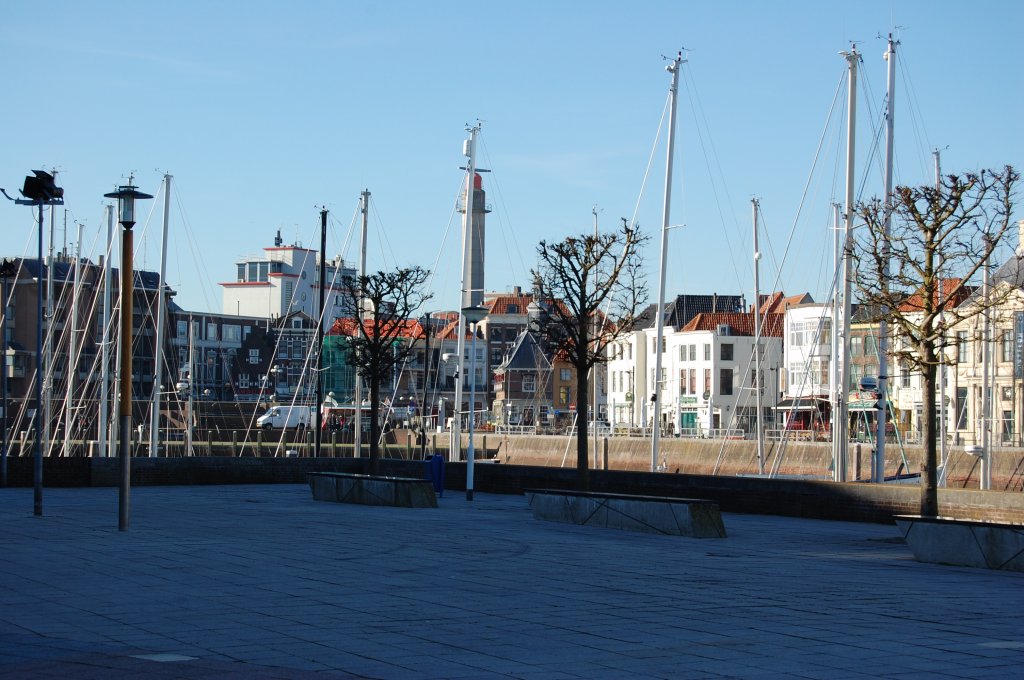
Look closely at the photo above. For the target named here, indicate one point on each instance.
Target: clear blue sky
(264, 111)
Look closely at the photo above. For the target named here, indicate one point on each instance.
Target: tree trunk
(929, 463)
(374, 427)
(582, 457)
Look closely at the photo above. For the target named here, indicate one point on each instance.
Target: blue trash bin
(435, 473)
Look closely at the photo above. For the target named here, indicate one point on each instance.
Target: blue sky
(264, 111)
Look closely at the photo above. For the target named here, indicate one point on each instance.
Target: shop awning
(803, 404)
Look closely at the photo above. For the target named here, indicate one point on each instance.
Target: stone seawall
(739, 457)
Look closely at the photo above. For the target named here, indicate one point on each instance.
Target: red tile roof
(951, 290)
(501, 304)
(740, 323)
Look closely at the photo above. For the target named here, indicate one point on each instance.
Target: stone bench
(653, 514)
(343, 487)
(964, 542)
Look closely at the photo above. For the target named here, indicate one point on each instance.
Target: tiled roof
(740, 323)
(680, 310)
(778, 303)
(410, 328)
(509, 304)
(952, 290)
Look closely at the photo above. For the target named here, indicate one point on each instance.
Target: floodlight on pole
(40, 188)
(126, 196)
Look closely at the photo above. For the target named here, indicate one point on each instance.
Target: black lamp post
(39, 189)
(126, 196)
(8, 268)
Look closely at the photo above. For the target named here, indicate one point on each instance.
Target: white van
(298, 417)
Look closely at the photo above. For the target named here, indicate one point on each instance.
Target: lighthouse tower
(473, 294)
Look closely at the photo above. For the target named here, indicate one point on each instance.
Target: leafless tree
(590, 288)
(382, 341)
(920, 277)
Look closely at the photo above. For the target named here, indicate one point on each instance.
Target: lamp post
(473, 315)
(39, 189)
(126, 196)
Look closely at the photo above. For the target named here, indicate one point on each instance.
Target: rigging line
(444, 240)
(382, 241)
(916, 115)
(507, 226)
(203, 272)
(650, 161)
(695, 99)
(817, 153)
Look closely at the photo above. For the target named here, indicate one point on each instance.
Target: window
(725, 381)
(904, 374)
(682, 352)
(254, 356)
(232, 333)
(961, 407)
(211, 331)
(289, 291)
(855, 346)
(629, 351)
(707, 351)
(182, 329)
(1006, 346)
(563, 396)
(726, 350)
(707, 381)
(961, 347)
(682, 381)
(693, 381)
(693, 352)
(565, 374)
(243, 380)
(529, 383)
(241, 273)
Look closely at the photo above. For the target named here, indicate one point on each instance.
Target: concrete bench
(343, 487)
(964, 542)
(653, 514)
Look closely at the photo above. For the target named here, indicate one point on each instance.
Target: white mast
(46, 375)
(72, 369)
(757, 344)
(672, 68)
(942, 366)
(189, 384)
(593, 369)
(835, 349)
(357, 395)
(840, 419)
(986, 383)
(161, 313)
(878, 459)
(467, 296)
(105, 341)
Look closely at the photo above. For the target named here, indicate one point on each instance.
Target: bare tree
(381, 341)
(918, 277)
(581, 283)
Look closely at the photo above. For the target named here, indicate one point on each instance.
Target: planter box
(962, 542)
(653, 514)
(402, 492)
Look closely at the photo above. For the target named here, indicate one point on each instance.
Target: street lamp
(126, 196)
(39, 189)
(473, 315)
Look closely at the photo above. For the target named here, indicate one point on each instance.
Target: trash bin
(435, 473)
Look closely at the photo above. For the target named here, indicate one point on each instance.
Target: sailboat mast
(357, 395)
(835, 349)
(161, 313)
(755, 206)
(468, 294)
(104, 426)
(878, 459)
(943, 415)
(839, 433)
(72, 369)
(47, 374)
(317, 432)
(672, 68)
(593, 369)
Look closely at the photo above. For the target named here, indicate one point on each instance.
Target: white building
(285, 279)
(627, 358)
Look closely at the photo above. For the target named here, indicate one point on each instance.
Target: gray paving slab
(264, 582)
